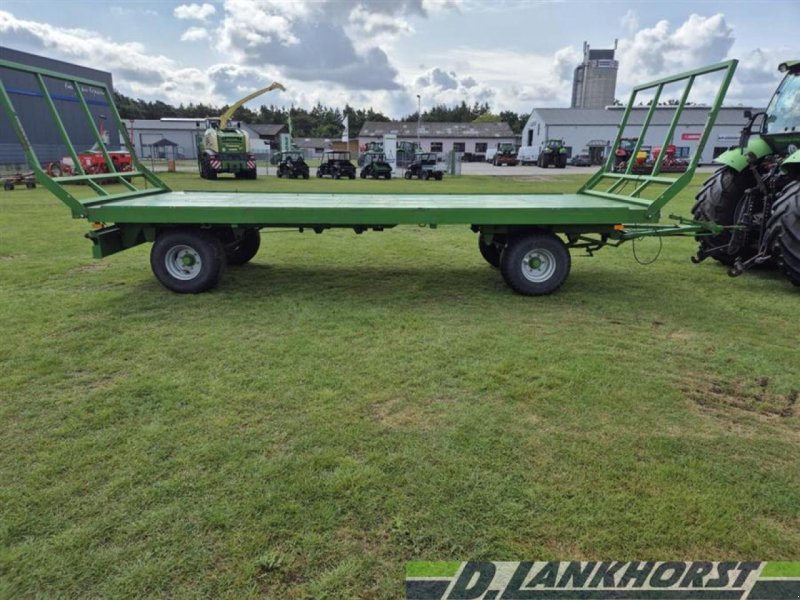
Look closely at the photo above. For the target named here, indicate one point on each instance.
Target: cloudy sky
(514, 54)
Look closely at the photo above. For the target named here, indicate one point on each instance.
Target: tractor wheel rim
(183, 262)
(538, 265)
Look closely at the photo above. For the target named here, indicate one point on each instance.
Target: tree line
(319, 121)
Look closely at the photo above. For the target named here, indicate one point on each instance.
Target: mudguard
(792, 163)
(737, 158)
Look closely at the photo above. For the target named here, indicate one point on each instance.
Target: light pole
(419, 119)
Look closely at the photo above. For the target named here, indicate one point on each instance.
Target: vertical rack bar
(123, 131)
(100, 143)
(64, 135)
(673, 124)
(645, 126)
(33, 161)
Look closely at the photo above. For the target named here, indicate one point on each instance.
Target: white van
(490, 154)
(527, 155)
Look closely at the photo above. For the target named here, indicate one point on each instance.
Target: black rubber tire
(244, 251)
(305, 175)
(517, 254)
(490, 252)
(319, 173)
(783, 232)
(424, 176)
(439, 176)
(8, 186)
(206, 245)
(716, 203)
(407, 174)
(363, 174)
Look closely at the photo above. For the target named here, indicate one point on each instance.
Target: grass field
(346, 403)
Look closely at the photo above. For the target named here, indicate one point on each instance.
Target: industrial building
(35, 115)
(595, 79)
(468, 138)
(592, 131)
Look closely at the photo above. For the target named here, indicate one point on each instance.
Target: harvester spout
(223, 120)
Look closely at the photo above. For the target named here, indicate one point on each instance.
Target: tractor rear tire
(244, 251)
(490, 252)
(535, 264)
(187, 261)
(716, 203)
(783, 232)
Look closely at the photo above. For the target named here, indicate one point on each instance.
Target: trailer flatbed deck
(212, 208)
(196, 233)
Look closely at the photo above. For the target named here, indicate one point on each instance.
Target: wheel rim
(183, 262)
(538, 265)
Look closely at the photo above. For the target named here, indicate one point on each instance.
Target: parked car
(527, 155)
(581, 160)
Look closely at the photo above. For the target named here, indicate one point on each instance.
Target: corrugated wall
(31, 108)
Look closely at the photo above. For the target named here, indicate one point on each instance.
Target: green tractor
(553, 154)
(757, 190)
(506, 155)
(223, 148)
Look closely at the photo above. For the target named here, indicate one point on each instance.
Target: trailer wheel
(716, 203)
(783, 232)
(490, 252)
(535, 264)
(187, 261)
(8, 186)
(244, 251)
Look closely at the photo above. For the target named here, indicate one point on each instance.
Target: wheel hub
(183, 262)
(538, 265)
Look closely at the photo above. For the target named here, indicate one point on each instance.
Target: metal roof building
(441, 137)
(592, 131)
(35, 117)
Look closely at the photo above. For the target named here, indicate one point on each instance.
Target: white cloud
(660, 49)
(630, 21)
(194, 34)
(199, 12)
(135, 71)
(124, 11)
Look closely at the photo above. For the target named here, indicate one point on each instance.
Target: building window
(436, 146)
(480, 147)
(459, 147)
(682, 152)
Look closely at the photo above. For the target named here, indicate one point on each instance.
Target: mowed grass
(346, 403)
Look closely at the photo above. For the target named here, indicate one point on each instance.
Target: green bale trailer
(528, 237)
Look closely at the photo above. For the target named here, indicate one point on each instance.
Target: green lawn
(346, 403)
